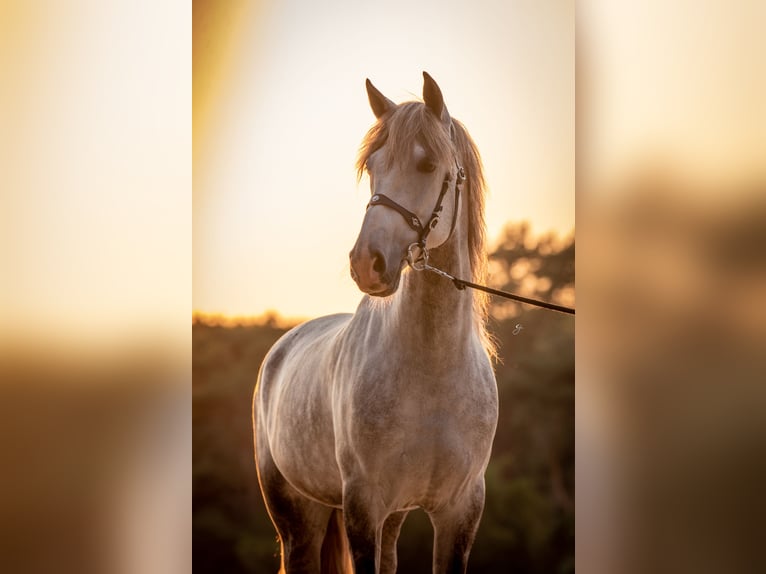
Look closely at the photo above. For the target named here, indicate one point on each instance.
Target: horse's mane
(412, 122)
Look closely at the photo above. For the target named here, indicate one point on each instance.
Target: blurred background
(95, 286)
(671, 278)
(96, 251)
(280, 110)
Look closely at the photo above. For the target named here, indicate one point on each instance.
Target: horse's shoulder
(313, 327)
(304, 334)
(318, 327)
(299, 349)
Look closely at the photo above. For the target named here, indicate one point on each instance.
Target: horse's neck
(431, 315)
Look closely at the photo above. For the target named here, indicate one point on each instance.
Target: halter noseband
(414, 221)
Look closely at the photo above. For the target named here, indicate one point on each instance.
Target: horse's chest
(426, 421)
(420, 454)
(410, 395)
(420, 435)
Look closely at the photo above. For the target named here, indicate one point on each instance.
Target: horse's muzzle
(372, 273)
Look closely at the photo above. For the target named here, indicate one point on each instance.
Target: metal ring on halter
(419, 262)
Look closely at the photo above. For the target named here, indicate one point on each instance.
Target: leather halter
(413, 220)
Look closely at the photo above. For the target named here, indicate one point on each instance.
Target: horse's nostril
(378, 263)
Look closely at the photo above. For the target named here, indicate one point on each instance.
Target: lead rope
(461, 284)
(419, 262)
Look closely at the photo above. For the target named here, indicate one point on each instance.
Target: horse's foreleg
(364, 527)
(301, 523)
(391, 528)
(455, 530)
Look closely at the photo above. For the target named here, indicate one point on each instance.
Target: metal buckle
(417, 260)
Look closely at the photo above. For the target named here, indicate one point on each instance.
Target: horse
(360, 418)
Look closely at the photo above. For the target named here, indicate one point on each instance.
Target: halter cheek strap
(413, 220)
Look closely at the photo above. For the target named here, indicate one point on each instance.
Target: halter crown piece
(414, 221)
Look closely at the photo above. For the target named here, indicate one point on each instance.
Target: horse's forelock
(399, 129)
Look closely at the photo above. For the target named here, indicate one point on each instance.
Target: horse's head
(412, 164)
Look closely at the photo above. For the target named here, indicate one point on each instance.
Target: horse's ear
(434, 100)
(379, 103)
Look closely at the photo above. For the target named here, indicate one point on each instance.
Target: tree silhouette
(539, 267)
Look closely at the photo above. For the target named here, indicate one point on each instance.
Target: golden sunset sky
(280, 110)
(95, 171)
(101, 181)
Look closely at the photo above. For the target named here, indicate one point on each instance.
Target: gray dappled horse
(361, 418)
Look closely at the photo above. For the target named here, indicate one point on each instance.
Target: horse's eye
(426, 165)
